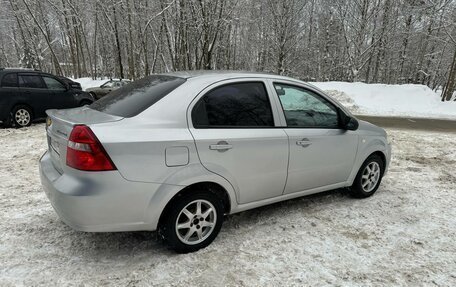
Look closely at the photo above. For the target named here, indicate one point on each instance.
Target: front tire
(21, 116)
(369, 177)
(192, 221)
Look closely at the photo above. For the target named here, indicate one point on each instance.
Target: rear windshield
(137, 96)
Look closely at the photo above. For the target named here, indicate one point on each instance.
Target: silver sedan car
(176, 152)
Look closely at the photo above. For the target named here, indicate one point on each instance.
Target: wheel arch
(185, 181)
(381, 154)
(84, 102)
(17, 104)
(374, 146)
(208, 186)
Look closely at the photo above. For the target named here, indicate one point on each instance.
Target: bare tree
(349, 40)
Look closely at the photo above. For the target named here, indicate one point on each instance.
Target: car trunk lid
(60, 124)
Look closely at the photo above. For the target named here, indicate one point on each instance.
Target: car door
(234, 130)
(60, 96)
(9, 94)
(106, 88)
(34, 92)
(321, 153)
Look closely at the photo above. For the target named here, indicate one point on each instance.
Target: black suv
(25, 95)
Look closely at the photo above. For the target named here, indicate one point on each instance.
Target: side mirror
(352, 124)
(280, 92)
(348, 122)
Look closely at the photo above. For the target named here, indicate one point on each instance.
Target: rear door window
(132, 99)
(31, 81)
(9, 80)
(234, 105)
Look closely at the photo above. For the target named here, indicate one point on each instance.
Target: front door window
(305, 109)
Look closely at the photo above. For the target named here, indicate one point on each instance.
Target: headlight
(48, 122)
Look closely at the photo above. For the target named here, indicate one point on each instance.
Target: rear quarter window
(132, 99)
(9, 80)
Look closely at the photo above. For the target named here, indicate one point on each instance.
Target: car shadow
(304, 204)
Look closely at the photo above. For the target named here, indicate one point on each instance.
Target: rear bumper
(99, 201)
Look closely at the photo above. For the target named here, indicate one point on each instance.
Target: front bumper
(98, 201)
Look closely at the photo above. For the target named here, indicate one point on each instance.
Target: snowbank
(89, 82)
(390, 100)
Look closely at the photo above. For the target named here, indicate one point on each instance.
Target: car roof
(174, 106)
(224, 74)
(20, 70)
(26, 71)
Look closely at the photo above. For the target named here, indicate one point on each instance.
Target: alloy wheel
(196, 221)
(370, 176)
(22, 117)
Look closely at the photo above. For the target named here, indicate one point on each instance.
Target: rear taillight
(85, 152)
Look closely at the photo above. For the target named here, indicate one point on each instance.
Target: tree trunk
(382, 41)
(131, 52)
(405, 42)
(119, 52)
(451, 82)
(94, 45)
(55, 61)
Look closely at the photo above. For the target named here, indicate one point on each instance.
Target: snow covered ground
(390, 100)
(403, 235)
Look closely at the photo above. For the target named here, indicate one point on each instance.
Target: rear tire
(94, 95)
(6, 123)
(192, 221)
(21, 116)
(369, 177)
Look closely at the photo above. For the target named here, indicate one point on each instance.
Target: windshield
(137, 96)
(107, 85)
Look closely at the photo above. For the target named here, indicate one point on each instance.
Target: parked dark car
(71, 83)
(106, 88)
(25, 95)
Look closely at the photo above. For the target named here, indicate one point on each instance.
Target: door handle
(221, 146)
(304, 142)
